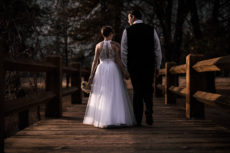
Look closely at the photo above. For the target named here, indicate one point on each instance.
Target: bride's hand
(89, 81)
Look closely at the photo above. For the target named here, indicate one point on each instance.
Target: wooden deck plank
(171, 133)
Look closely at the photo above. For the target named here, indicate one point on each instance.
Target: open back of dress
(107, 51)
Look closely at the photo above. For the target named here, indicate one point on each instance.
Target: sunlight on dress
(109, 103)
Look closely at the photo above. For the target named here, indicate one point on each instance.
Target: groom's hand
(126, 75)
(157, 72)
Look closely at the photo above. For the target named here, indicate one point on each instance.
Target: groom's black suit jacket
(141, 64)
(141, 57)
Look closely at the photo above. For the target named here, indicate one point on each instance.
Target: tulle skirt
(109, 103)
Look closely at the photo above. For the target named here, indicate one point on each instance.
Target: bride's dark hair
(106, 31)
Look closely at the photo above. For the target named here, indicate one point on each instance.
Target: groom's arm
(124, 48)
(157, 50)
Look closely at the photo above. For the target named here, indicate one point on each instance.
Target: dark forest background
(33, 29)
(71, 28)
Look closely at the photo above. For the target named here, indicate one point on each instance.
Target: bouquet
(84, 87)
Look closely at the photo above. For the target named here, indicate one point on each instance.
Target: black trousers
(142, 92)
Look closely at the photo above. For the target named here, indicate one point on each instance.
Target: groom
(141, 55)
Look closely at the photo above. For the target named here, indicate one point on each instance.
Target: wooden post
(23, 118)
(54, 83)
(194, 81)
(170, 80)
(3, 52)
(157, 80)
(2, 125)
(76, 82)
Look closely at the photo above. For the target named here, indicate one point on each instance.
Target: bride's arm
(119, 62)
(116, 44)
(94, 64)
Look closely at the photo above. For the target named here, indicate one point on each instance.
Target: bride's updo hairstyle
(106, 31)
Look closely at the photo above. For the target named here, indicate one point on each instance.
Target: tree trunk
(215, 12)
(66, 52)
(195, 19)
(117, 8)
(182, 12)
(164, 17)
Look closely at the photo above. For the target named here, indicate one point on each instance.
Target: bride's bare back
(113, 54)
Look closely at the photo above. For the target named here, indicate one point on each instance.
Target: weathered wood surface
(194, 81)
(54, 106)
(76, 82)
(213, 99)
(171, 133)
(70, 90)
(162, 72)
(161, 87)
(28, 66)
(214, 64)
(3, 51)
(178, 90)
(179, 69)
(69, 69)
(170, 80)
(28, 101)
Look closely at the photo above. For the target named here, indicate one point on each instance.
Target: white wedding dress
(109, 103)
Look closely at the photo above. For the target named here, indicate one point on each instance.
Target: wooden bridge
(178, 127)
(171, 133)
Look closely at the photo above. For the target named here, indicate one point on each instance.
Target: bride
(108, 103)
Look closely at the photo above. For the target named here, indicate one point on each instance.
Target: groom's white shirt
(124, 47)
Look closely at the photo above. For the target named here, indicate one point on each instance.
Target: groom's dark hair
(136, 12)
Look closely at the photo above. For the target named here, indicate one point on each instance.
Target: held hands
(157, 72)
(90, 82)
(126, 75)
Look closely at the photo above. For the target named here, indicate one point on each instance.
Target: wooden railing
(196, 70)
(52, 96)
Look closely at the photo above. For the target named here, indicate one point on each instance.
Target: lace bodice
(107, 51)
